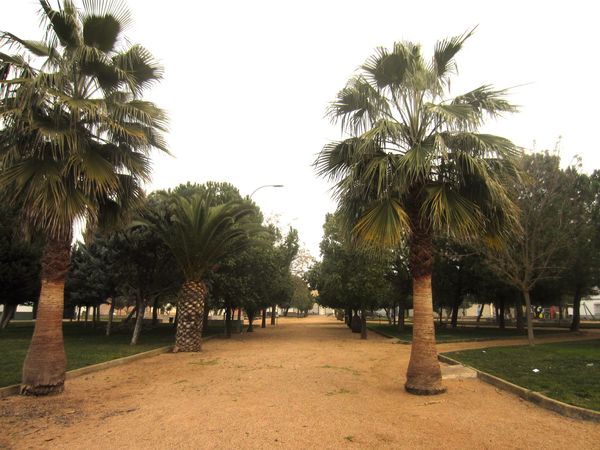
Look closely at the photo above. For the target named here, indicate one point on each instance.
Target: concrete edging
(574, 412)
(14, 389)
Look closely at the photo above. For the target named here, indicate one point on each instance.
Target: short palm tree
(199, 236)
(75, 145)
(415, 166)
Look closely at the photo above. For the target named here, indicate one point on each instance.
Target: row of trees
(75, 144)
(552, 257)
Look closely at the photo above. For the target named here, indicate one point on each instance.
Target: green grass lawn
(568, 371)
(447, 334)
(84, 345)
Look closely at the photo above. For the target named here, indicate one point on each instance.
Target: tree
(530, 253)
(416, 167)
(582, 254)
(349, 277)
(301, 298)
(75, 145)
(199, 236)
(19, 266)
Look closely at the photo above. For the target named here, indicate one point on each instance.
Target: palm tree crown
(199, 234)
(77, 135)
(415, 151)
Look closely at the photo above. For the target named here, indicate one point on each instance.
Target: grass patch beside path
(447, 334)
(84, 346)
(568, 371)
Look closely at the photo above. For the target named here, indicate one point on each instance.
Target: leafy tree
(582, 254)
(301, 298)
(19, 266)
(75, 145)
(199, 236)
(531, 251)
(348, 277)
(415, 167)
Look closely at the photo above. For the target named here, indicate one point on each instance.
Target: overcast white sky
(247, 82)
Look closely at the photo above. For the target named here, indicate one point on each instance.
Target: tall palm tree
(74, 146)
(415, 166)
(200, 236)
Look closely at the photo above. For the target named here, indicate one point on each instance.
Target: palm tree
(74, 146)
(415, 166)
(199, 236)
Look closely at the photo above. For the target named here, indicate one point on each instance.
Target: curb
(15, 389)
(389, 336)
(564, 409)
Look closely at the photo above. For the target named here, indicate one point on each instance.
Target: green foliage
(19, 261)
(349, 276)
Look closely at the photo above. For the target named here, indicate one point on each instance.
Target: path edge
(14, 389)
(564, 409)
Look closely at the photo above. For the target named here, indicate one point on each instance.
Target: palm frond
(384, 224)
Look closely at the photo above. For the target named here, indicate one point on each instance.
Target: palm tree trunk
(190, 308)
(46, 361)
(424, 376)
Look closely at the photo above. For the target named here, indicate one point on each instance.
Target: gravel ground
(305, 383)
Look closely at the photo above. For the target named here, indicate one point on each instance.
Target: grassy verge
(84, 345)
(447, 334)
(567, 371)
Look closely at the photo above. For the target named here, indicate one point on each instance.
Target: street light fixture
(266, 185)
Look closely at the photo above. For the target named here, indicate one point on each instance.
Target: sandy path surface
(306, 383)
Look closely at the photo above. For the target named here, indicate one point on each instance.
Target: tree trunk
(78, 313)
(388, 315)
(190, 307)
(263, 323)
(87, 315)
(576, 306)
(130, 315)
(457, 301)
(205, 320)
(155, 312)
(285, 311)
(401, 315)
(228, 321)
(250, 321)
(273, 314)
(501, 321)
(529, 319)
(519, 315)
(239, 314)
(7, 315)
(363, 324)
(94, 315)
(46, 361)
(480, 313)
(111, 314)
(424, 376)
(140, 306)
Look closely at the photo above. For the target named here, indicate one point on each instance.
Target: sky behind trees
(247, 83)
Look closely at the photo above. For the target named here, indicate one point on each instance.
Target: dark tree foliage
(19, 265)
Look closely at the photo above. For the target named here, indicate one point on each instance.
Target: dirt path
(306, 383)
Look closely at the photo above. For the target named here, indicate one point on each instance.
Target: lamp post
(264, 186)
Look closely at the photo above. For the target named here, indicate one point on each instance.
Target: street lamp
(266, 185)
